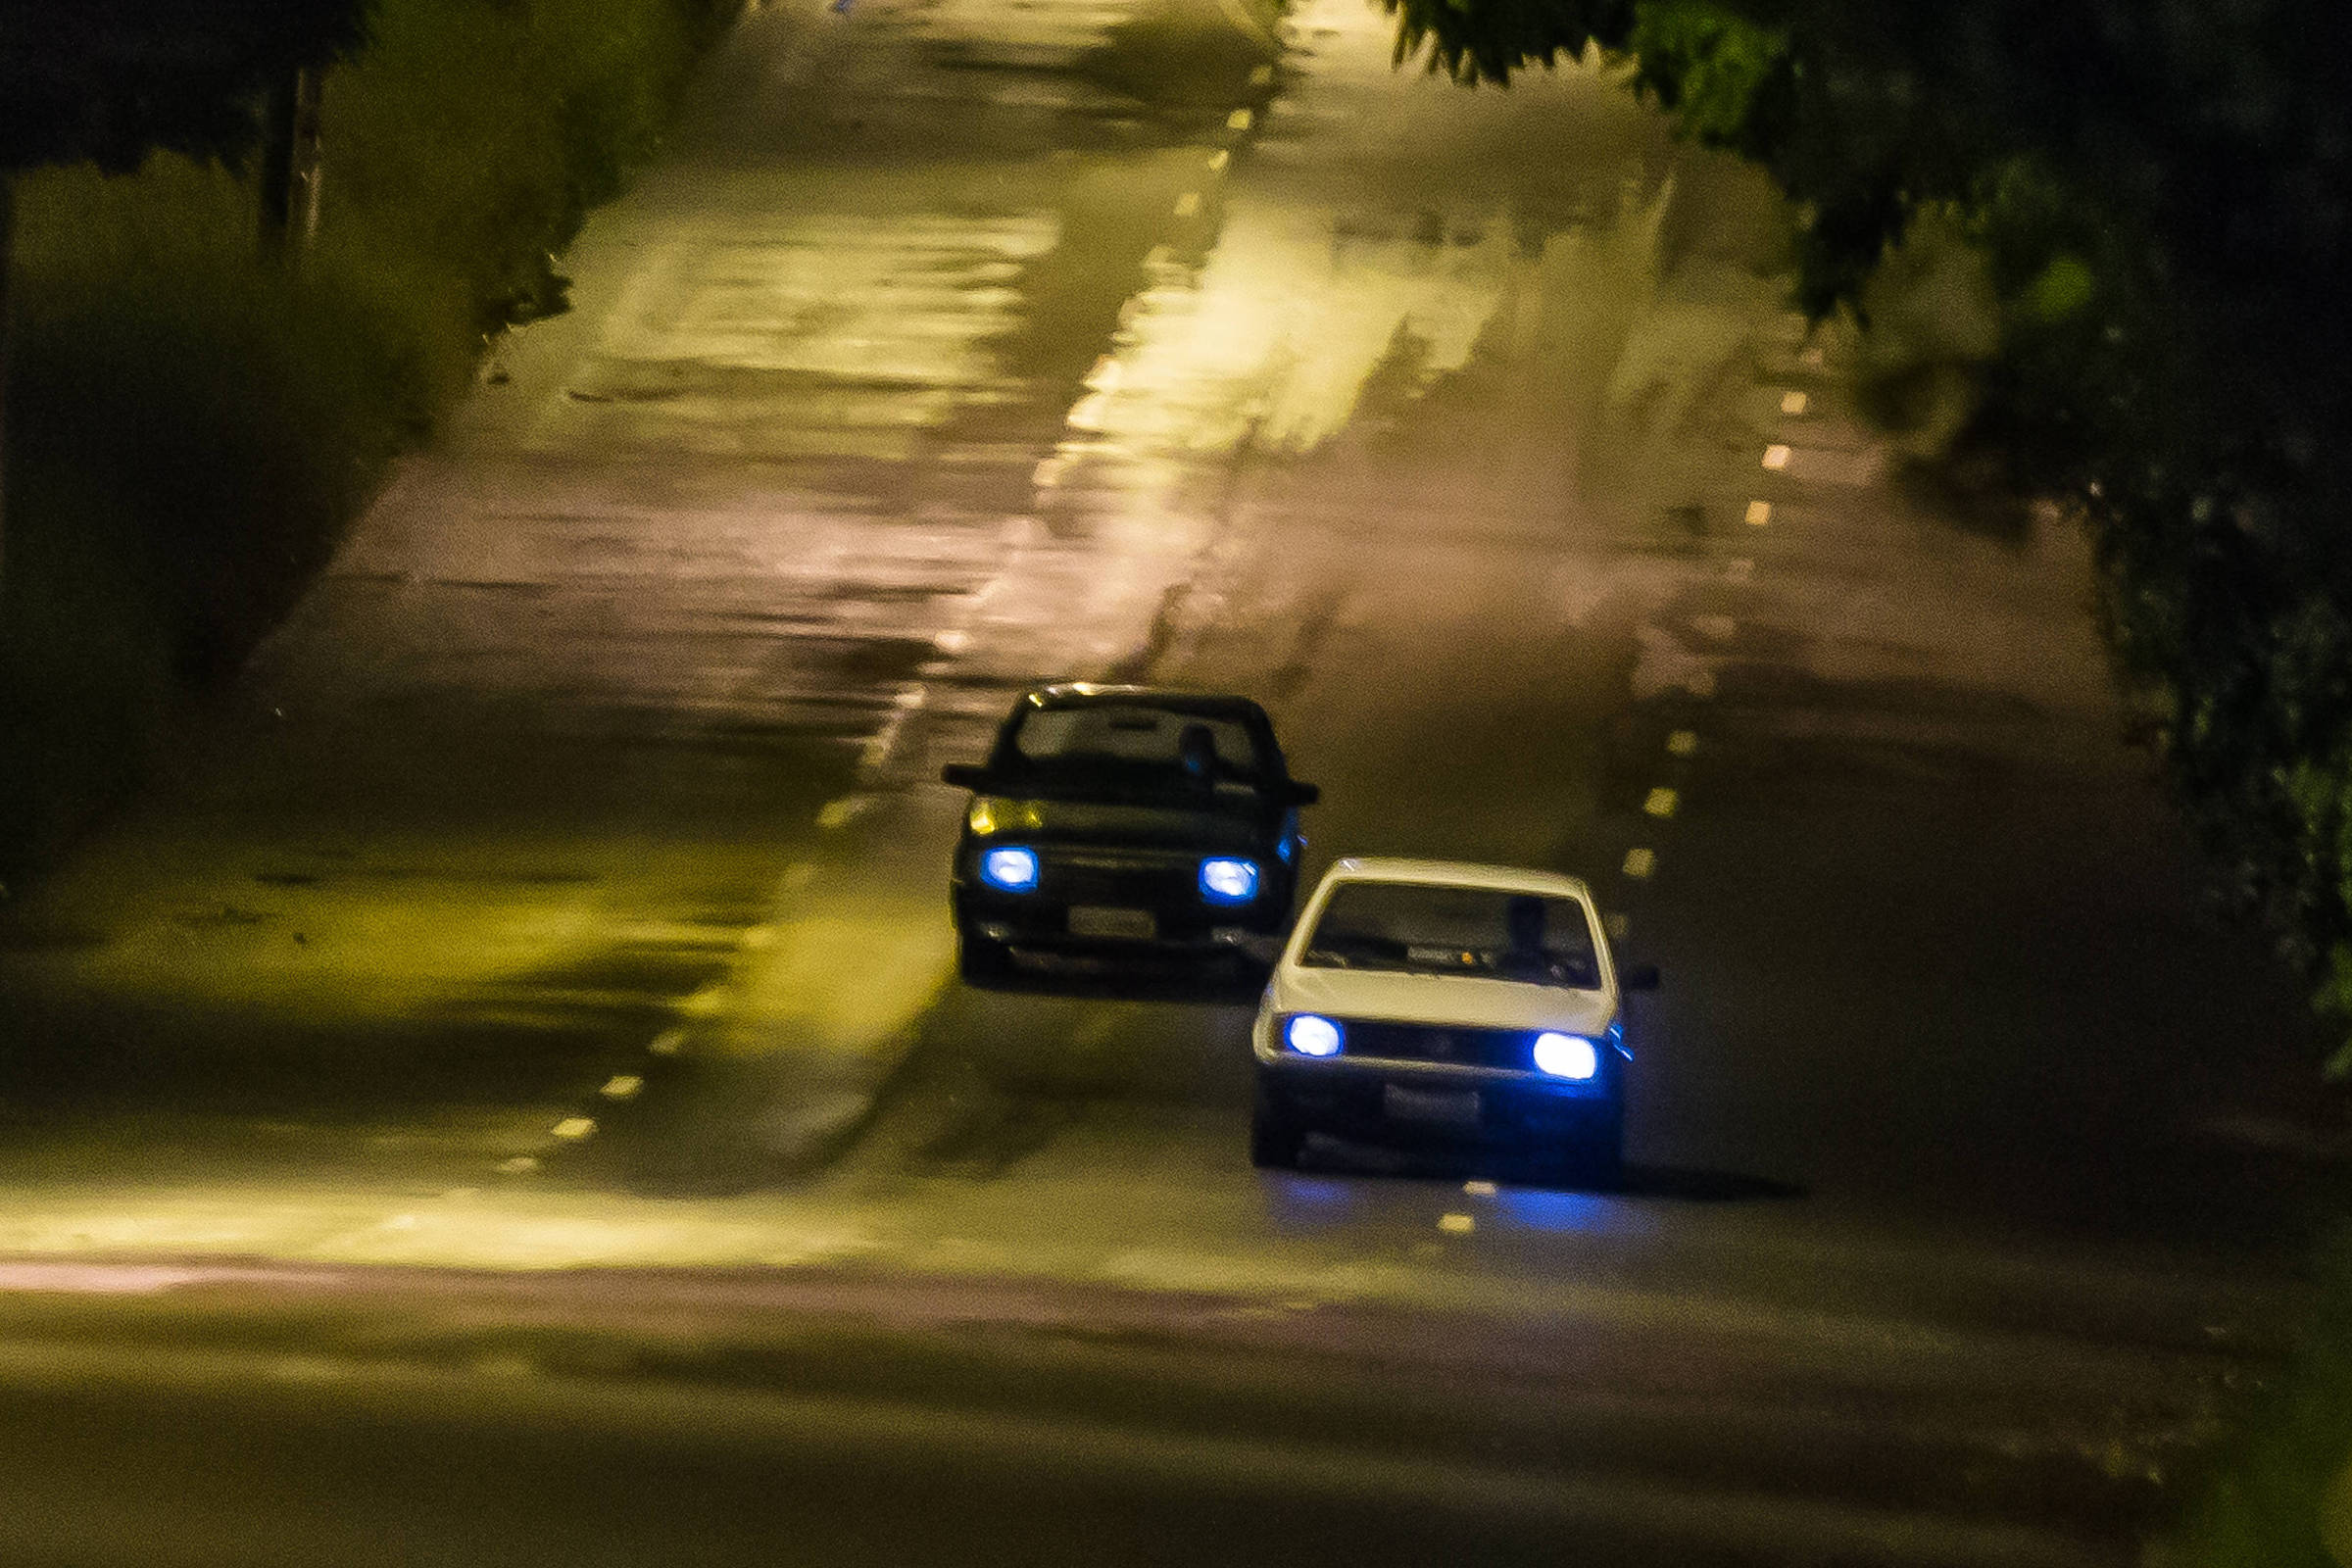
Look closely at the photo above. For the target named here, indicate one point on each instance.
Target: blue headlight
(1224, 881)
(1311, 1036)
(1566, 1055)
(1009, 870)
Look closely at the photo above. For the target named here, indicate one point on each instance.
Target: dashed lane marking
(1188, 204)
(519, 1165)
(669, 1043)
(1682, 742)
(1661, 802)
(622, 1086)
(1715, 628)
(840, 814)
(1240, 119)
(1792, 403)
(1618, 927)
(1759, 513)
(1456, 1224)
(572, 1129)
(1218, 160)
(1639, 863)
(1479, 1189)
(1776, 457)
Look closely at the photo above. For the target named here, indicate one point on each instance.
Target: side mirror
(1303, 794)
(1638, 977)
(966, 776)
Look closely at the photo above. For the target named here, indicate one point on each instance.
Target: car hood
(1464, 1001)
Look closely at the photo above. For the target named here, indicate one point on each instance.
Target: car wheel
(1275, 1135)
(983, 963)
(1597, 1160)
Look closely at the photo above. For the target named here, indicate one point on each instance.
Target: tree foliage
(2161, 189)
(111, 80)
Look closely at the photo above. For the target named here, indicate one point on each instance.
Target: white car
(1465, 1002)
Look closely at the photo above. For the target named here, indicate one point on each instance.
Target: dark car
(1124, 822)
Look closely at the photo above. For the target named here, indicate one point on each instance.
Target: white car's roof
(1457, 875)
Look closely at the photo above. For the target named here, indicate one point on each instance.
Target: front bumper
(1375, 1099)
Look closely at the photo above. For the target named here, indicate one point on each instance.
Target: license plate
(1131, 925)
(1440, 1107)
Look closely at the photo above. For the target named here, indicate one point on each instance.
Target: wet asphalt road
(564, 888)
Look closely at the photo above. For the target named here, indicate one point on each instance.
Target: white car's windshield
(1422, 928)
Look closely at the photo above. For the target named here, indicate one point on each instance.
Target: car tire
(1597, 1160)
(983, 963)
(1275, 1133)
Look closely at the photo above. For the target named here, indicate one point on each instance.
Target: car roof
(1203, 704)
(1457, 874)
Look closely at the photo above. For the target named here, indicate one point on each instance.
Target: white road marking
(759, 939)
(519, 1165)
(1776, 457)
(1262, 77)
(1759, 512)
(1456, 1224)
(572, 1129)
(1639, 864)
(1812, 357)
(669, 1043)
(952, 642)
(1188, 204)
(1479, 1189)
(1792, 403)
(1238, 119)
(622, 1086)
(1617, 926)
(1218, 160)
(1715, 628)
(1661, 802)
(1682, 742)
(798, 874)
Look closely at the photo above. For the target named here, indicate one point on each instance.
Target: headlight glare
(1311, 1034)
(1228, 881)
(1009, 870)
(1566, 1055)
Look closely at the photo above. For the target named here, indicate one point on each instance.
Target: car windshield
(1137, 735)
(1424, 928)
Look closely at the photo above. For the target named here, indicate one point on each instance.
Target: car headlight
(991, 814)
(1566, 1055)
(1311, 1034)
(1228, 881)
(1010, 870)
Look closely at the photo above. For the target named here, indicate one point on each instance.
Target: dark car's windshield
(1138, 737)
(1422, 928)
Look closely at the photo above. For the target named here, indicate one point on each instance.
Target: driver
(1524, 920)
(1196, 751)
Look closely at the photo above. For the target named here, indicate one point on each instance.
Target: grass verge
(191, 428)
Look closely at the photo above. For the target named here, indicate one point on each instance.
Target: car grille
(1123, 877)
(1422, 1041)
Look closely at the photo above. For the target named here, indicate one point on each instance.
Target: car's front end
(1345, 1058)
(1123, 880)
